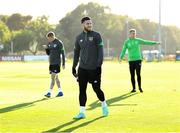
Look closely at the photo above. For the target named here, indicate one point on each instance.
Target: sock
(82, 109)
(60, 89)
(50, 90)
(104, 104)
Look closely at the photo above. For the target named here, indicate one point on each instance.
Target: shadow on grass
(113, 100)
(20, 106)
(71, 129)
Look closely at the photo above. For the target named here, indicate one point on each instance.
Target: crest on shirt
(55, 45)
(129, 44)
(81, 40)
(90, 39)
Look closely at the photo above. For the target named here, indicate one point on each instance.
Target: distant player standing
(132, 44)
(55, 49)
(89, 48)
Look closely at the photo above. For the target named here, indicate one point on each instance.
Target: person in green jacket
(133, 45)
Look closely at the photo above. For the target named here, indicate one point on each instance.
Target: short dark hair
(50, 34)
(132, 30)
(85, 19)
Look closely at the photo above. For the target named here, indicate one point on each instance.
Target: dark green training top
(89, 48)
(55, 50)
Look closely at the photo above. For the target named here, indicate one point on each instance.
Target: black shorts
(54, 69)
(90, 76)
(135, 63)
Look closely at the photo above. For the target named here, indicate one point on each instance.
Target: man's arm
(123, 50)
(147, 42)
(46, 49)
(63, 55)
(76, 53)
(100, 45)
(100, 50)
(76, 57)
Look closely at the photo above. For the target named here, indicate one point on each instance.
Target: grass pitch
(23, 107)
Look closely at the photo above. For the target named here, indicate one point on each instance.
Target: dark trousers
(91, 76)
(135, 66)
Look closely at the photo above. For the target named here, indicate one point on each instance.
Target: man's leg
(138, 73)
(132, 72)
(82, 80)
(60, 93)
(82, 92)
(53, 75)
(96, 85)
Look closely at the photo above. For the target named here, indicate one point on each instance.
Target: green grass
(24, 109)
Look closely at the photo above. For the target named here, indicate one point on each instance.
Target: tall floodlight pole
(127, 28)
(165, 44)
(12, 48)
(108, 48)
(159, 29)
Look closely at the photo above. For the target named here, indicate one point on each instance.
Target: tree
(39, 28)
(32, 38)
(30, 34)
(22, 40)
(17, 21)
(70, 26)
(5, 34)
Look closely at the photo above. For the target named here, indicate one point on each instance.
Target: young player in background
(55, 49)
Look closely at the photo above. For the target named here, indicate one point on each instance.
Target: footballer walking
(55, 49)
(89, 49)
